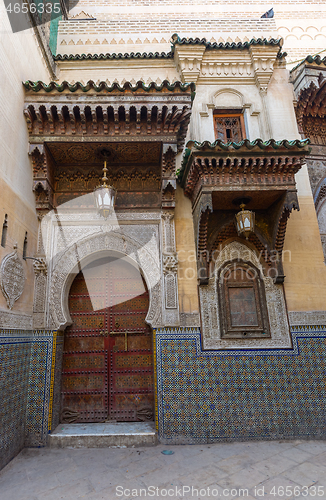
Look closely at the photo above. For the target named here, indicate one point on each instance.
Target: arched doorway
(107, 361)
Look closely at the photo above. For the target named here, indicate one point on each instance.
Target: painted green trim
(176, 40)
(90, 85)
(107, 57)
(54, 26)
(297, 143)
(311, 60)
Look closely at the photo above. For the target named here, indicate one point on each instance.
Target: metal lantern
(245, 222)
(105, 196)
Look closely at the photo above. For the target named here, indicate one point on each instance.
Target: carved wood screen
(229, 127)
(107, 362)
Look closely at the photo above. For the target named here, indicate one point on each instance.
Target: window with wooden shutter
(243, 310)
(229, 127)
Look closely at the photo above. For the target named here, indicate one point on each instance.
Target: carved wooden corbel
(42, 177)
(200, 217)
(169, 184)
(290, 202)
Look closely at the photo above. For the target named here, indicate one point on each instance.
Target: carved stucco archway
(67, 265)
(275, 301)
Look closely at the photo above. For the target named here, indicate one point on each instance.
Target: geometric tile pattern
(26, 367)
(14, 372)
(209, 396)
(202, 396)
(37, 411)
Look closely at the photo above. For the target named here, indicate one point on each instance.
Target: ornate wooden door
(107, 362)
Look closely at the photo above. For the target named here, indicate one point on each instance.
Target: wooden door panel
(131, 391)
(84, 396)
(106, 374)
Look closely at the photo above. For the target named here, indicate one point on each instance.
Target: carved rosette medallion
(12, 278)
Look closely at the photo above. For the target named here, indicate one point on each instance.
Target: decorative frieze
(201, 61)
(14, 321)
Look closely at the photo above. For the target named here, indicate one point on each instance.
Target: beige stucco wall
(21, 219)
(185, 245)
(20, 59)
(304, 267)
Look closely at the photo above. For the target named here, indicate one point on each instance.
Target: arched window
(242, 301)
(4, 231)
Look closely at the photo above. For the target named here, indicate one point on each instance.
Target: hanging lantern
(105, 196)
(245, 222)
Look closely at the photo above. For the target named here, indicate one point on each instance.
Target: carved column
(40, 270)
(169, 253)
(42, 178)
(170, 270)
(263, 60)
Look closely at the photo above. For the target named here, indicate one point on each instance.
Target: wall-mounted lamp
(105, 196)
(245, 220)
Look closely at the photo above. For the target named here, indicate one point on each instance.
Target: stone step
(104, 435)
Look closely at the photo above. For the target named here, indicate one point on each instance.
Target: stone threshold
(104, 435)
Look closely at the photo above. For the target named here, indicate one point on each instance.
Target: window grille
(229, 127)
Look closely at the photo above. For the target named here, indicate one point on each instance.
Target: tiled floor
(269, 470)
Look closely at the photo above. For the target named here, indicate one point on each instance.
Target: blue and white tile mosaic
(208, 396)
(26, 367)
(14, 369)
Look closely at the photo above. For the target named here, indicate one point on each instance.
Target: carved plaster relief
(12, 278)
(279, 328)
(68, 264)
(170, 269)
(72, 240)
(299, 318)
(40, 270)
(12, 320)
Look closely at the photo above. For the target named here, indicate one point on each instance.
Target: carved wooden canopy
(311, 110)
(158, 112)
(214, 175)
(140, 127)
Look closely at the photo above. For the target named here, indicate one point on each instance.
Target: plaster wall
(280, 97)
(229, 95)
(301, 23)
(186, 250)
(305, 282)
(21, 219)
(20, 59)
(120, 71)
(304, 266)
